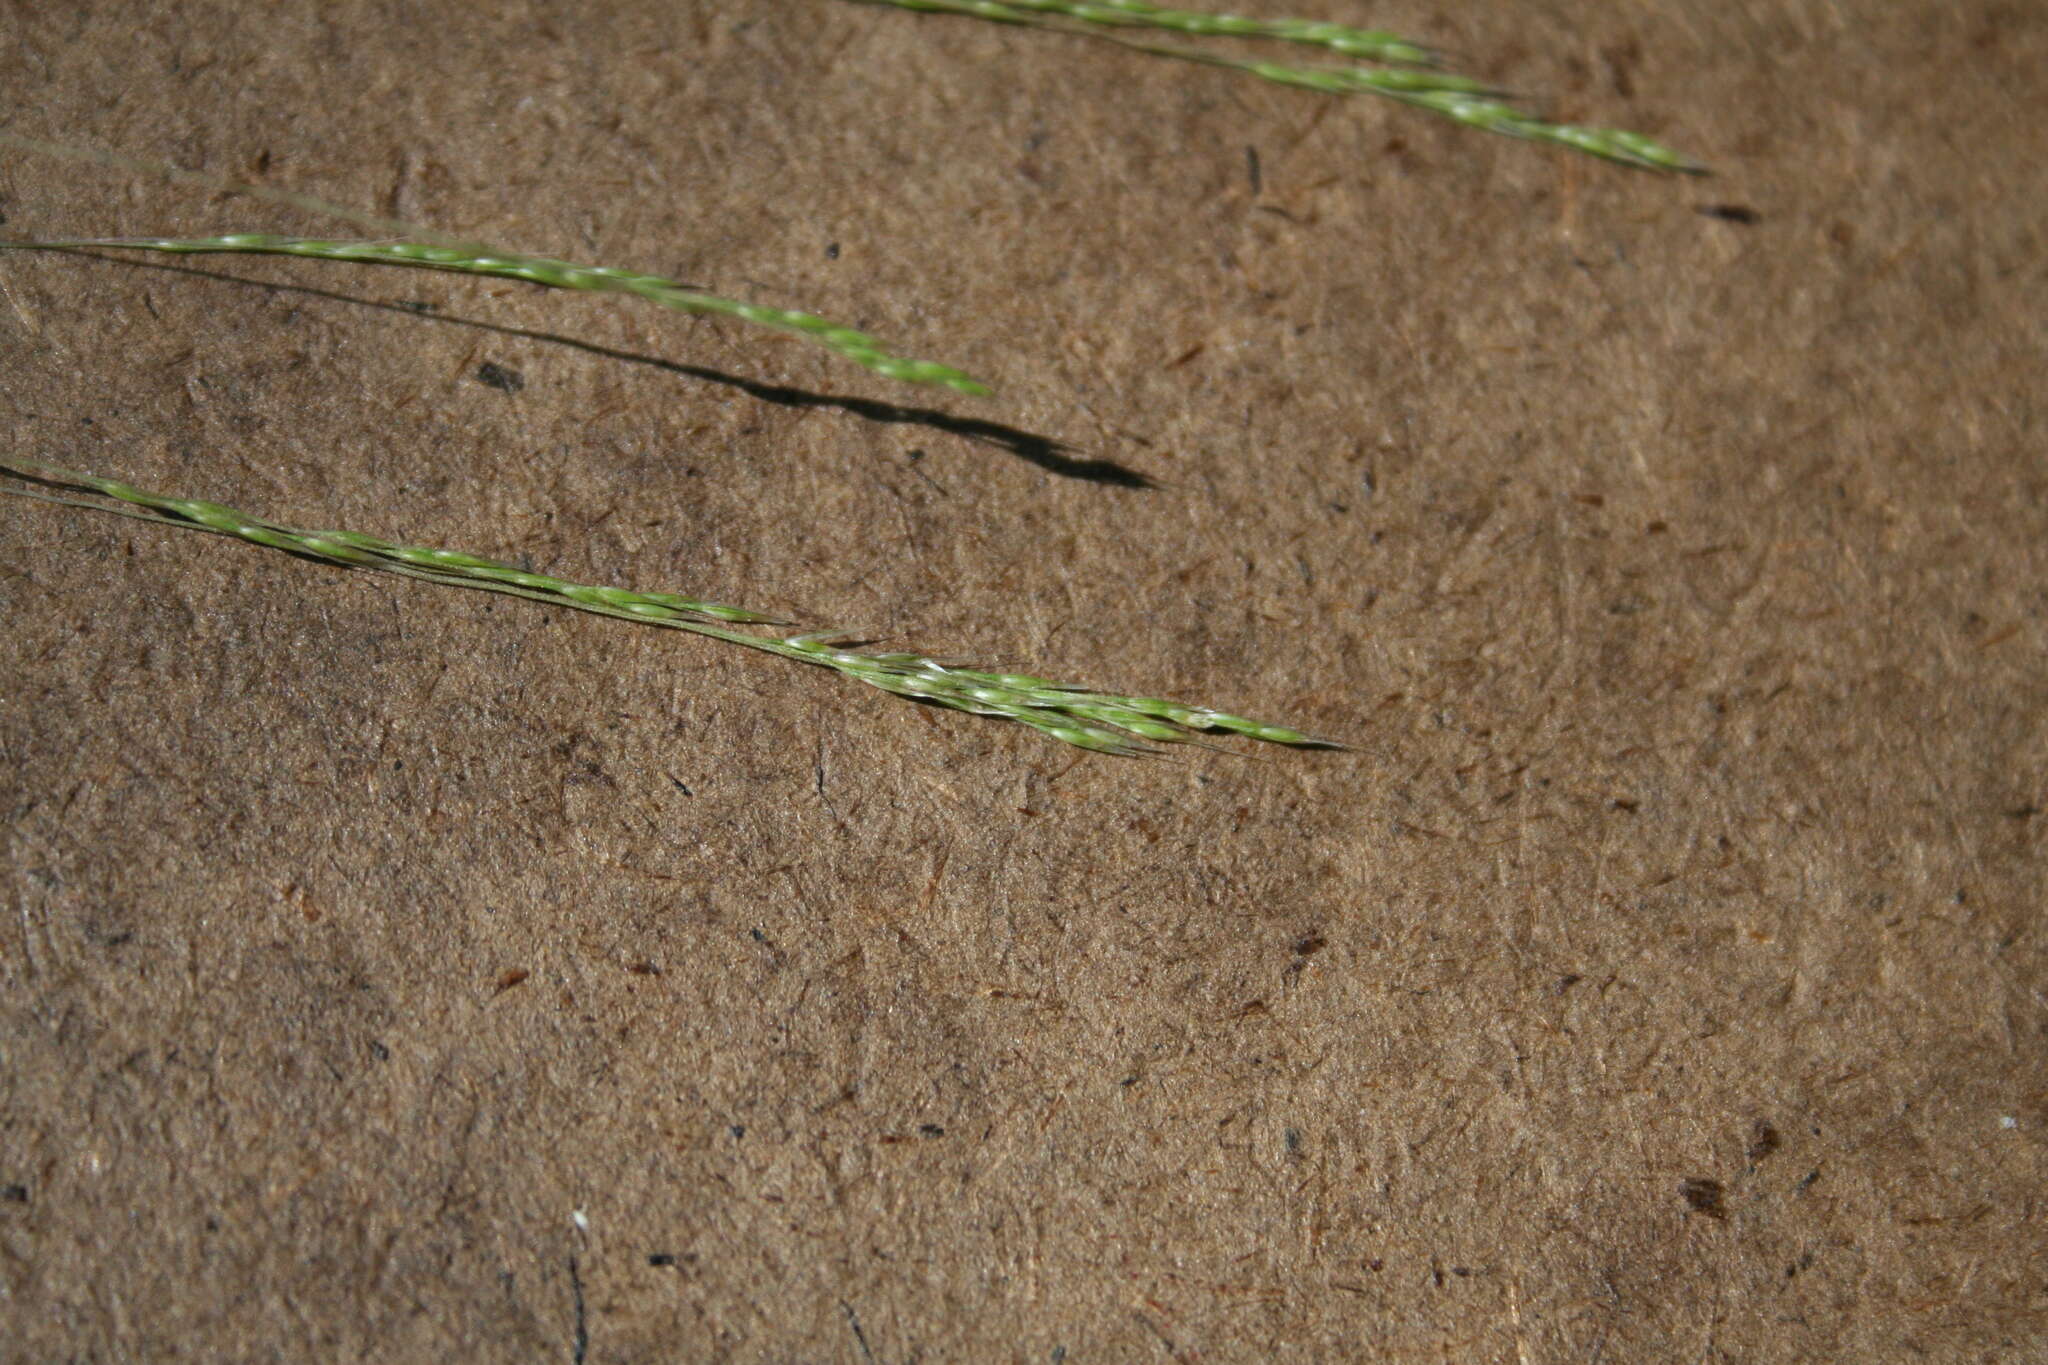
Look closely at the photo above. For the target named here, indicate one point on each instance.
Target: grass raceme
(1099, 721)
(472, 259)
(1457, 98)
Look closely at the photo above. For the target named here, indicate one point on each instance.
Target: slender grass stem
(1099, 721)
(178, 175)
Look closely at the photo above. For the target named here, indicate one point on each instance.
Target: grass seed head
(1096, 721)
(1458, 98)
(853, 345)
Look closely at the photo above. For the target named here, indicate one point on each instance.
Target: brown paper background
(1677, 582)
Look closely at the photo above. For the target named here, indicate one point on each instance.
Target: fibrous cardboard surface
(394, 973)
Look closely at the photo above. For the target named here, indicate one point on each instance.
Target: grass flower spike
(1099, 721)
(556, 274)
(1367, 44)
(1457, 98)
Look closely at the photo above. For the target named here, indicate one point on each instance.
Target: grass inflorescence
(1407, 76)
(1369, 44)
(474, 259)
(1098, 721)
